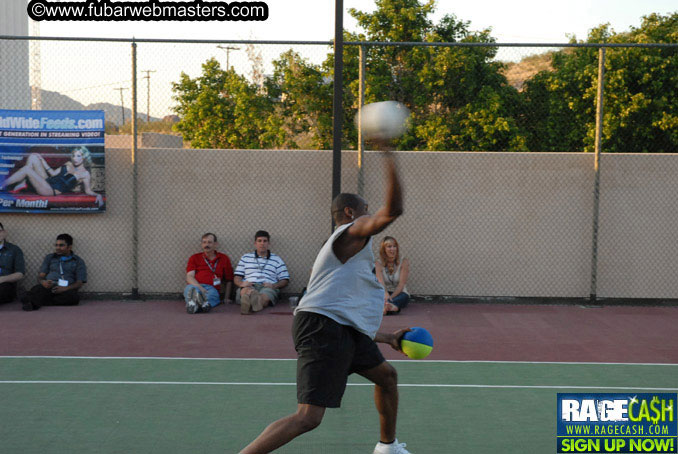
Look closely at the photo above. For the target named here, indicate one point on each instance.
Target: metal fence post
(135, 197)
(596, 167)
(361, 101)
(338, 97)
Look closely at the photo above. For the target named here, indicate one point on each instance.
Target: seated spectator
(392, 272)
(12, 268)
(205, 273)
(259, 275)
(60, 277)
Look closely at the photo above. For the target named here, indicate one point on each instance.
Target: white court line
(426, 361)
(400, 385)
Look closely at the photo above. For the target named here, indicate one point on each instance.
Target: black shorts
(327, 354)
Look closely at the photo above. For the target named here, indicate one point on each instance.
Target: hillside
(518, 73)
(52, 100)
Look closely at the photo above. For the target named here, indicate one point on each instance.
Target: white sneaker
(202, 303)
(191, 305)
(393, 448)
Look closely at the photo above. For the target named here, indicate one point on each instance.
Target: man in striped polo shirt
(259, 276)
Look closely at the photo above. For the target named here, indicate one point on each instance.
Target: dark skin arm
(392, 339)
(55, 288)
(356, 236)
(365, 226)
(74, 286)
(44, 282)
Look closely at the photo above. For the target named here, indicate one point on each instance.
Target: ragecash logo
(624, 423)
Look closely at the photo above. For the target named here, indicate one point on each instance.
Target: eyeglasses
(60, 245)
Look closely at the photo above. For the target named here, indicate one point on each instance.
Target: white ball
(383, 120)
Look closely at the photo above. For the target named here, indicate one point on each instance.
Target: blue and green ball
(417, 344)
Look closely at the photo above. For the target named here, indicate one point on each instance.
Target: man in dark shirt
(60, 277)
(12, 268)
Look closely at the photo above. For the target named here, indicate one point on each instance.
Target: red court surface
(492, 332)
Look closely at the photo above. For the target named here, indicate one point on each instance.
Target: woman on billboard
(72, 176)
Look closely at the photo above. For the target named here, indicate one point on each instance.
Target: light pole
(148, 94)
(228, 50)
(122, 104)
(338, 86)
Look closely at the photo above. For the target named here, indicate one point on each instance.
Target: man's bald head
(356, 204)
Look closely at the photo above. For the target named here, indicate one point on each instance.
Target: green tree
(304, 107)
(221, 109)
(458, 96)
(560, 105)
(640, 98)
(641, 87)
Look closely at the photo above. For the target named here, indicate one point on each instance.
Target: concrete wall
(145, 140)
(639, 214)
(476, 224)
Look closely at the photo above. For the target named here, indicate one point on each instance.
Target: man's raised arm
(367, 226)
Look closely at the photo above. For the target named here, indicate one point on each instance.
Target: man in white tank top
(336, 323)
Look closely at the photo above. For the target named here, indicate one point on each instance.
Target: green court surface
(153, 405)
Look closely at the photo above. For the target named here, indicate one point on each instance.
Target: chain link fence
(231, 139)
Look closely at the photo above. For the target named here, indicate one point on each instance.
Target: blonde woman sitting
(392, 272)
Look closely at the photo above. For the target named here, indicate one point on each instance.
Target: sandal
(391, 308)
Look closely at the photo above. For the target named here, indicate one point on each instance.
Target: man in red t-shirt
(206, 272)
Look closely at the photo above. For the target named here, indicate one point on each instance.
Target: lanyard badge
(62, 282)
(215, 281)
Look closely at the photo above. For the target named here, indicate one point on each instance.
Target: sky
(518, 21)
(511, 21)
